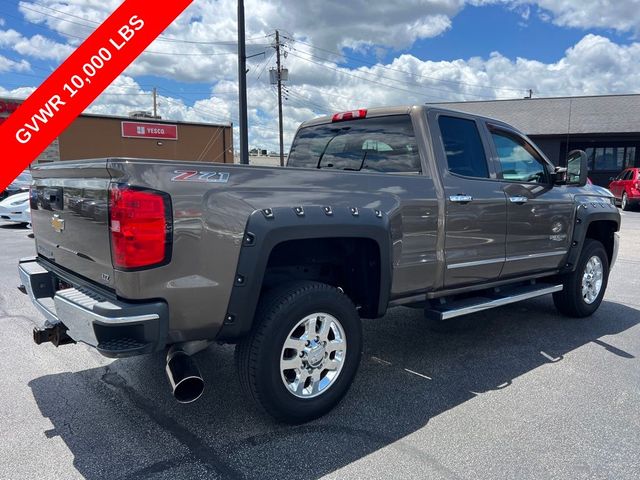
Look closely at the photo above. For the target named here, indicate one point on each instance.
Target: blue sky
(478, 31)
(394, 52)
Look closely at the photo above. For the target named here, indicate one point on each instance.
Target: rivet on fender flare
(268, 212)
(249, 239)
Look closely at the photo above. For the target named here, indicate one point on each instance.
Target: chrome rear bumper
(115, 328)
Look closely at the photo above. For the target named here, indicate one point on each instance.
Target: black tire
(570, 300)
(624, 202)
(258, 356)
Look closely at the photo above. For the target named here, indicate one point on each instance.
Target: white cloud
(19, 93)
(36, 46)
(620, 15)
(8, 65)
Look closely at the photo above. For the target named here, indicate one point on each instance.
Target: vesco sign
(161, 131)
(7, 107)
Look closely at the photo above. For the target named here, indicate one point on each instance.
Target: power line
(421, 94)
(145, 52)
(322, 108)
(374, 64)
(210, 144)
(92, 22)
(412, 84)
(264, 66)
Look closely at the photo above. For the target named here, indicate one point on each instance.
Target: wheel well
(352, 264)
(603, 230)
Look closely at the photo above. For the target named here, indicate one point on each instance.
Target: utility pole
(242, 86)
(279, 74)
(155, 102)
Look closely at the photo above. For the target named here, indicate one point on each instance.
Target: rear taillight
(141, 227)
(33, 197)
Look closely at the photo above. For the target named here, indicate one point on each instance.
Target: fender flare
(267, 228)
(588, 211)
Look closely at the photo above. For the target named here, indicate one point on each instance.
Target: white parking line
(549, 357)
(418, 374)
(379, 360)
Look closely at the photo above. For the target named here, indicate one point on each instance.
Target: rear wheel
(303, 353)
(585, 287)
(624, 203)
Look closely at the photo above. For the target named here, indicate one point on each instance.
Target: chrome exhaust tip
(184, 376)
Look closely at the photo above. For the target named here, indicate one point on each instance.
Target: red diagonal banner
(80, 79)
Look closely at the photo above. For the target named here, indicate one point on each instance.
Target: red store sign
(161, 131)
(7, 107)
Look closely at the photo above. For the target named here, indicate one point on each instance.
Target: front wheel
(303, 353)
(584, 288)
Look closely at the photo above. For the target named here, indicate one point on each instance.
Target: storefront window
(630, 157)
(609, 159)
(590, 152)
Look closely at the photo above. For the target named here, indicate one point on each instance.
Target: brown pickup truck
(435, 209)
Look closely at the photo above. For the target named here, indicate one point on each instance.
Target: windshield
(381, 144)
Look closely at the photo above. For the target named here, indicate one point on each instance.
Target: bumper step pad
(122, 347)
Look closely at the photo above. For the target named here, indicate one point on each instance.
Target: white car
(16, 208)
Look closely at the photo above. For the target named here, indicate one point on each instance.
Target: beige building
(97, 136)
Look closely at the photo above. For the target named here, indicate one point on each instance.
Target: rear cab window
(463, 147)
(379, 144)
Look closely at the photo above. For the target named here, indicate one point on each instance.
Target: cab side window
(518, 160)
(463, 147)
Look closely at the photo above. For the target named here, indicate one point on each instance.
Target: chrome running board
(494, 298)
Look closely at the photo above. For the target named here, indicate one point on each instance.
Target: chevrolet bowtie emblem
(57, 223)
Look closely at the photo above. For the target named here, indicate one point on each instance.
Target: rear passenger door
(476, 215)
(539, 214)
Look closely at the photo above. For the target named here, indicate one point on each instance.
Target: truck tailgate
(69, 211)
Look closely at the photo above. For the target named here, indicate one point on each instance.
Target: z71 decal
(202, 177)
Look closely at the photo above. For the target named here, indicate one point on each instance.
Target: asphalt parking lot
(518, 393)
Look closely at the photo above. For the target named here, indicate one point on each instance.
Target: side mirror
(577, 168)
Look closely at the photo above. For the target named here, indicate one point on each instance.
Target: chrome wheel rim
(313, 355)
(592, 280)
(624, 201)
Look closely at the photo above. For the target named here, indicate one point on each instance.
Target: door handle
(461, 198)
(519, 200)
